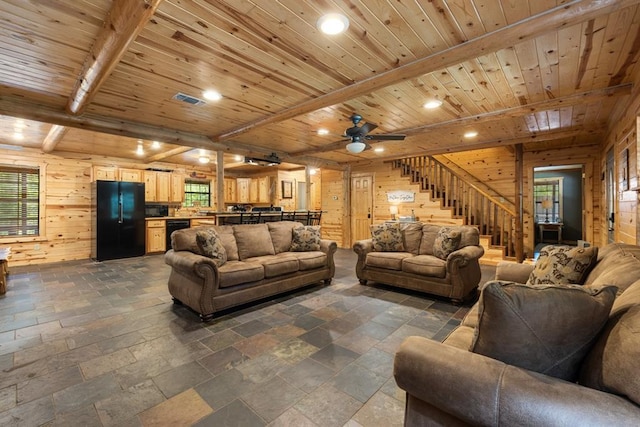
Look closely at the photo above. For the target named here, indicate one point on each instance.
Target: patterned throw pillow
(563, 265)
(306, 238)
(547, 329)
(446, 242)
(211, 246)
(387, 237)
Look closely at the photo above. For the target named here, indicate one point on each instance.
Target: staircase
(475, 206)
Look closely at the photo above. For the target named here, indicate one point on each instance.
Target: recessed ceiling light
(211, 95)
(155, 145)
(312, 171)
(323, 132)
(378, 149)
(140, 150)
(434, 103)
(333, 23)
(204, 159)
(470, 134)
(18, 136)
(238, 158)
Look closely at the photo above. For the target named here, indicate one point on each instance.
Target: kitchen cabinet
(264, 187)
(131, 175)
(253, 191)
(230, 194)
(156, 236)
(150, 179)
(163, 186)
(243, 191)
(177, 188)
(105, 173)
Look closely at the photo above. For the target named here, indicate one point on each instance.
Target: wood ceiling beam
(20, 107)
(169, 153)
(125, 21)
(562, 16)
(55, 135)
(536, 137)
(587, 97)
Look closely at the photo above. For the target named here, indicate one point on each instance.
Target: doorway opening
(558, 202)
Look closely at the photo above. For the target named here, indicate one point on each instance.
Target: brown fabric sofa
(417, 268)
(259, 264)
(446, 384)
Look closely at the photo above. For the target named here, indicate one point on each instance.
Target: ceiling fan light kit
(271, 160)
(356, 147)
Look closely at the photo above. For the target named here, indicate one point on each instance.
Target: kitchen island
(227, 218)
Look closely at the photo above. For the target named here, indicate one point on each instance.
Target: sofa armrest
(189, 262)
(513, 272)
(363, 247)
(461, 257)
(483, 391)
(328, 246)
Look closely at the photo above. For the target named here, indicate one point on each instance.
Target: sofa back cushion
(559, 264)
(281, 234)
(411, 236)
(225, 232)
(185, 239)
(447, 241)
(613, 364)
(211, 246)
(469, 236)
(618, 264)
(305, 238)
(253, 240)
(546, 328)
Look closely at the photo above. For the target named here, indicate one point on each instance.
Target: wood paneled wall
(334, 218)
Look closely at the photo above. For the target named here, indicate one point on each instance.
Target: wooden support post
(519, 237)
(220, 181)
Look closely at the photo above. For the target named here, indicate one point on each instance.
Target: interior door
(361, 207)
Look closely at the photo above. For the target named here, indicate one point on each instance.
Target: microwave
(156, 210)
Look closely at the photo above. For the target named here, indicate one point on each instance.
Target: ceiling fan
(358, 134)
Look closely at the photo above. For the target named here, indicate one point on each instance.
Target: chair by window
(302, 217)
(287, 216)
(314, 217)
(250, 217)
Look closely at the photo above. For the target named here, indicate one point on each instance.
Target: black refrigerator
(118, 220)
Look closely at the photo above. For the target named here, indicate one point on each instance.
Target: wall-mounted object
(624, 159)
(401, 196)
(287, 190)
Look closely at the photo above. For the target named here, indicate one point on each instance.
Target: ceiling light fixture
(378, 149)
(140, 150)
(270, 160)
(238, 158)
(470, 134)
(434, 103)
(323, 132)
(204, 159)
(356, 147)
(312, 171)
(155, 145)
(212, 95)
(333, 23)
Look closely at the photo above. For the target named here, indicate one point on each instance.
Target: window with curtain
(197, 193)
(547, 194)
(19, 201)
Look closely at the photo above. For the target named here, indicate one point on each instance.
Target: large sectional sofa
(260, 260)
(435, 259)
(454, 384)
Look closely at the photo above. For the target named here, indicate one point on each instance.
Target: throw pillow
(387, 237)
(211, 246)
(446, 242)
(563, 264)
(547, 328)
(306, 238)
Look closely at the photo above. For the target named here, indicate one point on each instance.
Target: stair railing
(467, 201)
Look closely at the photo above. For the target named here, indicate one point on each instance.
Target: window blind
(19, 201)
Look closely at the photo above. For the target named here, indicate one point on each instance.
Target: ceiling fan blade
(388, 137)
(366, 128)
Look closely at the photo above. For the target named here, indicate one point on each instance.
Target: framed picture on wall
(287, 190)
(624, 160)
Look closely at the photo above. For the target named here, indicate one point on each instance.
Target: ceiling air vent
(188, 99)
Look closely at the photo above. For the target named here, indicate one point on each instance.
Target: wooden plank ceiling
(95, 76)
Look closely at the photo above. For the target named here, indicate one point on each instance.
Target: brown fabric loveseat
(447, 384)
(259, 263)
(412, 263)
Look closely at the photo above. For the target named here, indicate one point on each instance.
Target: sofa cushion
(240, 272)
(211, 246)
(563, 265)
(545, 328)
(619, 267)
(228, 241)
(253, 240)
(276, 265)
(387, 260)
(613, 364)
(281, 235)
(306, 238)
(425, 265)
(310, 260)
(429, 233)
(411, 236)
(447, 241)
(387, 237)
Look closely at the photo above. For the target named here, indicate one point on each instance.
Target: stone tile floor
(84, 343)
